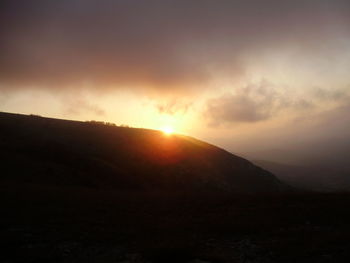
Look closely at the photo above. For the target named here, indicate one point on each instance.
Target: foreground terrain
(51, 224)
(91, 192)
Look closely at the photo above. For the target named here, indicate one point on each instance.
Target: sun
(167, 130)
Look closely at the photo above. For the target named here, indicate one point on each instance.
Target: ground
(70, 224)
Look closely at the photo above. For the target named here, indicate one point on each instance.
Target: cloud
(331, 94)
(173, 106)
(251, 103)
(263, 101)
(163, 45)
(76, 106)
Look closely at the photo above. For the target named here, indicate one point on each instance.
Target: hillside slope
(41, 150)
(315, 178)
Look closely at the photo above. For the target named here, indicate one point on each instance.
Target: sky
(246, 75)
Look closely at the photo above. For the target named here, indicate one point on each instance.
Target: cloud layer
(167, 46)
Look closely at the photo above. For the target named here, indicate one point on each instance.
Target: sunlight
(167, 130)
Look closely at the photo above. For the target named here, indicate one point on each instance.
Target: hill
(315, 178)
(88, 192)
(47, 151)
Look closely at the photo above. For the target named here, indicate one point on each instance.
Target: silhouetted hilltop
(60, 152)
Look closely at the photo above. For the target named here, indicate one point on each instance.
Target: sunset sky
(246, 75)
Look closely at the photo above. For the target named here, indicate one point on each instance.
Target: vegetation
(105, 123)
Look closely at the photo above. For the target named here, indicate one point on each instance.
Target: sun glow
(167, 130)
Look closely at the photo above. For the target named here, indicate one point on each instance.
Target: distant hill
(286, 156)
(308, 177)
(45, 151)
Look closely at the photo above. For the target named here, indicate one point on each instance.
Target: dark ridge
(49, 151)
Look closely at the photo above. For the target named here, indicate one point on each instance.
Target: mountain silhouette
(48, 151)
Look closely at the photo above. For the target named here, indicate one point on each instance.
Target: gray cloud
(331, 94)
(248, 104)
(76, 106)
(264, 101)
(173, 106)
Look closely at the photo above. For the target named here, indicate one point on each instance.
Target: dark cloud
(164, 45)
